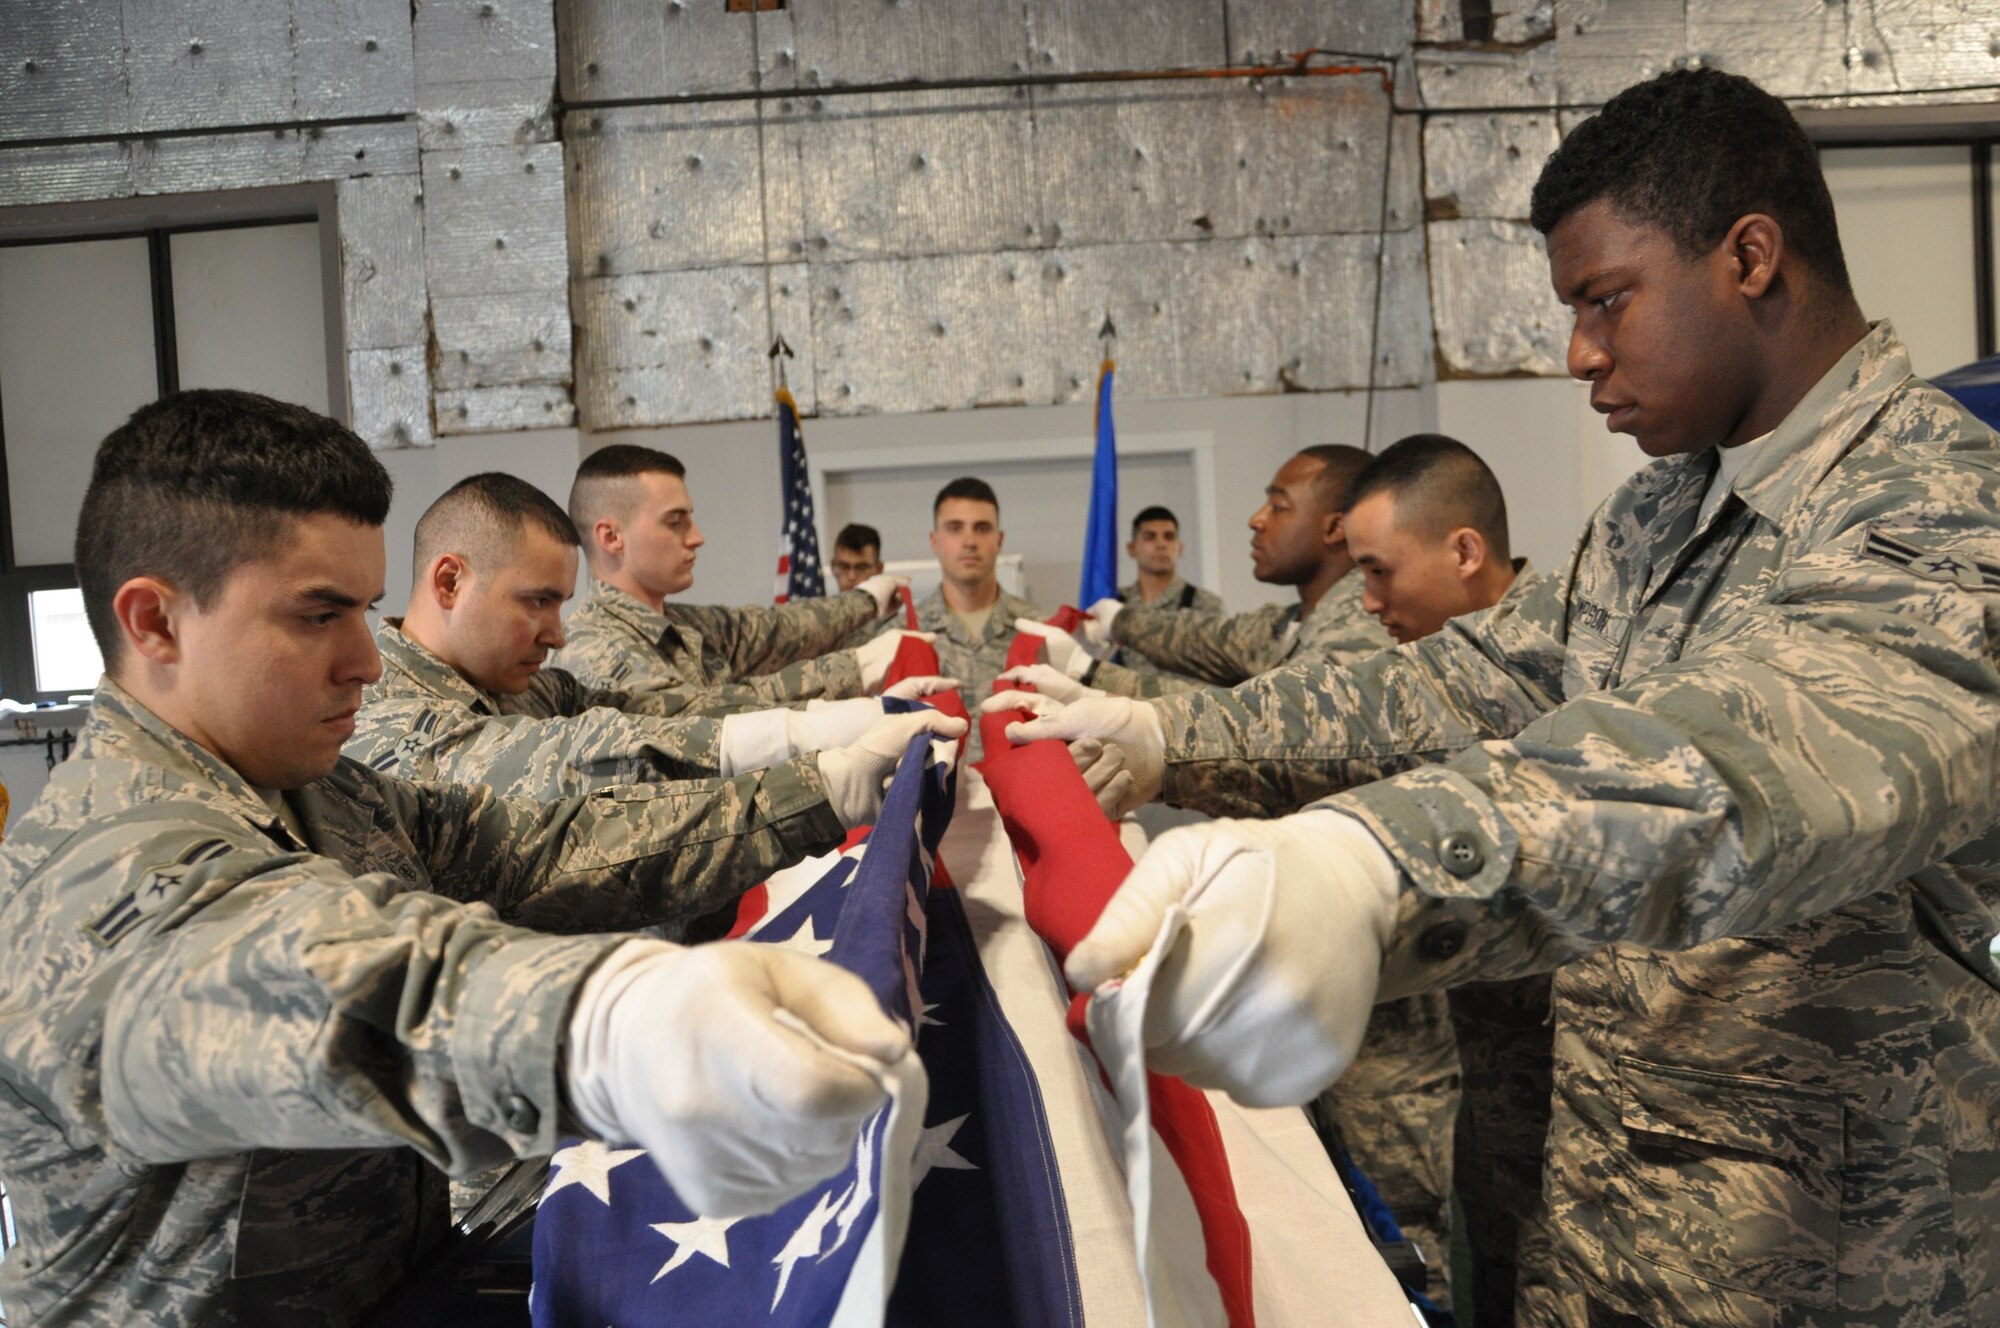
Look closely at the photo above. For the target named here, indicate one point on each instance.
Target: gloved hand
(884, 588)
(856, 774)
(874, 657)
(1097, 626)
(915, 689)
(683, 1052)
(1062, 648)
(1049, 682)
(1267, 991)
(1102, 766)
(1131, 727)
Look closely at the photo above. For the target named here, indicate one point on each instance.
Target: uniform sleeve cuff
(508, 1044)
(1446, 835)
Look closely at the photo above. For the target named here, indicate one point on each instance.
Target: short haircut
(1342, 464)
(599, 489)
(198, 483)
(480, 518)
(1438, 485)
(1154, 513)
(965, 486)
(856, 537)
(1688, 153)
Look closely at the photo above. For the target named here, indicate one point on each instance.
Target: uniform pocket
(303, 1209)
(1734, 1179)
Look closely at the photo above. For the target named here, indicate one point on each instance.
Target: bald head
(482, 520)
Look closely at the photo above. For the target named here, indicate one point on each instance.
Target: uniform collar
(405, 657)
(1789, 464)
(629, 608)
(123, 727)
(934, 615)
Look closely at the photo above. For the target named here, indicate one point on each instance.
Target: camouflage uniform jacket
(229, 1062)
(1740, 777)
(423, 720)
(1169, 600)
(750, 657)
(974, 662)
(1201, 649)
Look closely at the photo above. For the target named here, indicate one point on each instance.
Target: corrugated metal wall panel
(1607, 45)
(1916, 44)
(657, 189)
(195, 63)
(352, 58)
(1490, 295)
(381, 224)
(1478, 79)
(1484, 165)
(62, 70)
(499, 409)
(930, 333)
(1070, 36)
(472, 53)
(879, 41)
(389, 396)
(1263, 30)
(1793, 48)
(919, 173)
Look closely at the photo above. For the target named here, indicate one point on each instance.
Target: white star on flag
(589, 1164)
(805, 1242)
(934, 1150)
(706, 1236)
(806, 941)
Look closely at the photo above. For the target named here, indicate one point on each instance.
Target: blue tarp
(1977, 387)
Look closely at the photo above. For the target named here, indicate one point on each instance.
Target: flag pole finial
(781, 351)
(1109, 332)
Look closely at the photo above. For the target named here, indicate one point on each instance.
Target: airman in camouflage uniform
(423, 720)
(1198, 650)
(974, 661)
(1733, 773)
(255, 997)
(1179, 594)
(1737, 778)
(770, 655)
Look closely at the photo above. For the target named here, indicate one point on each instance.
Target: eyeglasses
(843, 565)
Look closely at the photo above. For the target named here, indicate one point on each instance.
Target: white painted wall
(250, 311)
(1905, 218)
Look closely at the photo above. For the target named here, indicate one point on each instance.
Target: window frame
(157, 221)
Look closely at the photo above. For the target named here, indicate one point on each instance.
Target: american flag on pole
(799, 570)
(1015, 1189)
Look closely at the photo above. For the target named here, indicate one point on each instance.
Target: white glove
(1064, 652)
(856, 774)
(1131, 727)
(1097, 627)
(685, 1052)
(1050, 682)
(916, 689)
(1266, 992)
(884, 587)
(874, 657)
(760, 739)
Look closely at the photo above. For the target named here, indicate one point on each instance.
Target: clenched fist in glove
(1266, 989)
(886, 590)
(695, 1056)
(1050, 682)
(856, 774)
(874, 657)
(1062, 648)
(1131, 727)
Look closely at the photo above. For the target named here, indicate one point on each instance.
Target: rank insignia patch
(153, 890)
(1933, 564)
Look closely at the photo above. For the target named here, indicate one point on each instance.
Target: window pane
(249, 311)
(76, 357)
(66, 657)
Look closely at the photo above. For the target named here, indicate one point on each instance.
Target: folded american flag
(1017, 1179)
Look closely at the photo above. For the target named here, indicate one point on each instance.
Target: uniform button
(1443, 941)
(1460, 853)
(521, 1115)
